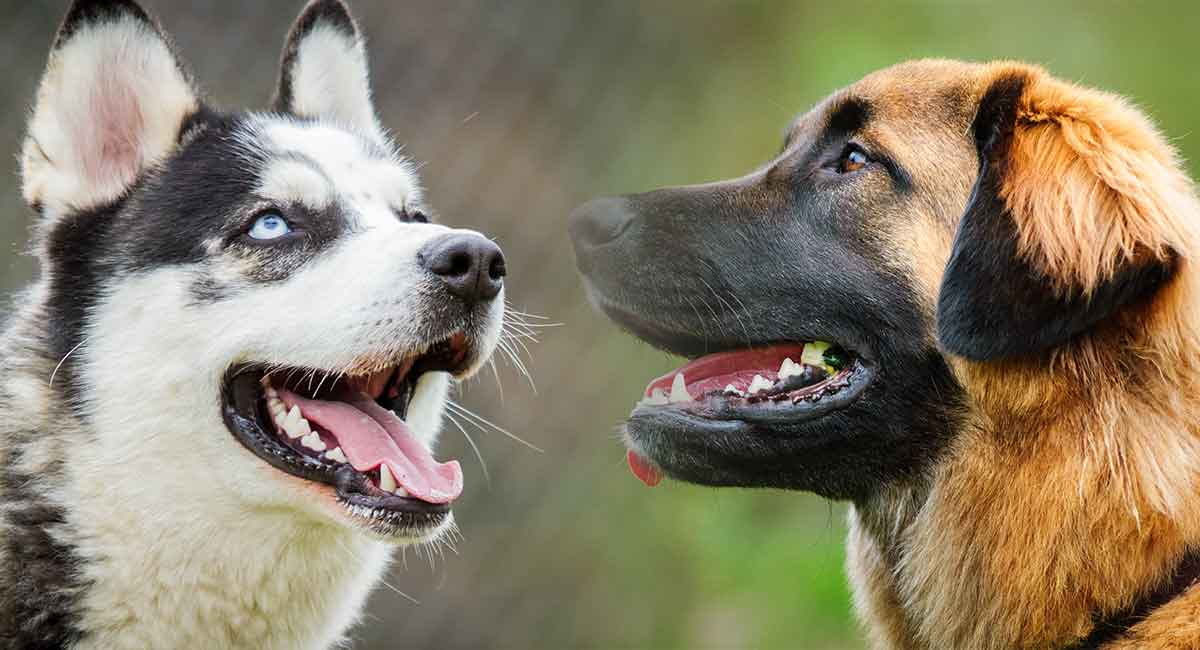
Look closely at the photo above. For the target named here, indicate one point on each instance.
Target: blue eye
(269, 225)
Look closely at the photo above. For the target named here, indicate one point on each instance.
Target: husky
(217, 403)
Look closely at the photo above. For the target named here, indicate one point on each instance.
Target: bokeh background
(521, 109)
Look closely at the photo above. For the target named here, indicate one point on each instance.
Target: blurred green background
(520, 110)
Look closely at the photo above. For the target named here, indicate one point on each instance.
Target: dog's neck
(139, 552)
(162, 570)
(1044, 523)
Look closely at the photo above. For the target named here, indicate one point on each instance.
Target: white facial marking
(291, 180)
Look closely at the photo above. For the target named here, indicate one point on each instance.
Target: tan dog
(962, 298)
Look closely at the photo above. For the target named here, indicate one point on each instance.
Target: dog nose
(471, 266)
(594, 224)
(599, 222)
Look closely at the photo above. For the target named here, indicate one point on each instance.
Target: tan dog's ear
(1079, 208)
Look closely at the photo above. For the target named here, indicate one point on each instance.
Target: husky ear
(323, 73)
(111, 103)
(1079, 209)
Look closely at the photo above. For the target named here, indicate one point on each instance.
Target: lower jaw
(386, 516)
(792, 408)
(714, 442)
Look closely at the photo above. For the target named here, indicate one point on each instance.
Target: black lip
(243, 409)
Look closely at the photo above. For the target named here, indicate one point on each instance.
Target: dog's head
(225, 289)
(935, 240)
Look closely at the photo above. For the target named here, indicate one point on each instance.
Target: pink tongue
(643, 469)
(371, 435)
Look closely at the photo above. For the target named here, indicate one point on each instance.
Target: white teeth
(336, 455)
(679, 390)
(387, 482)
(657, 398)
(292, 421)
(730, 389)
(790, 368)
(296, 427)
(313, 441)
(275, 405)
(401, 492)
(272, 393)
(759, 383)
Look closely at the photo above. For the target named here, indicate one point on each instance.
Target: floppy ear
(111, 103)
(323, 73)
(1079, 209)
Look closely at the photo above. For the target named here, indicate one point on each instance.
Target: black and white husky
(217, 403)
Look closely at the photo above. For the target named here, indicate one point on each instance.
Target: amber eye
(853, 159)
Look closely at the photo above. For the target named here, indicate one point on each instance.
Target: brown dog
(962, 298)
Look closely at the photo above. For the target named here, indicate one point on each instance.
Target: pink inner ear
(112, 125)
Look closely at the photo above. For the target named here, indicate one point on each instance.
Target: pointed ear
(1080, 209)
(112, 102)
(323, 73)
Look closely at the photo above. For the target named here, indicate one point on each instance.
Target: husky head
(250, 308)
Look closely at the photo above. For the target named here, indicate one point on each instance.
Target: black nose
(596, 223)
(599, 222)
(472, 267)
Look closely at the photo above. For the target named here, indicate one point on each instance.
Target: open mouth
(349, 431)
(789, 382)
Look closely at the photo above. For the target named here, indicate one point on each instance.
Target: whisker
(64, 359)
(487, 478)
(496, 374)
(472, 416)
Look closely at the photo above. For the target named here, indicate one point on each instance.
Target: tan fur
(1073, 489)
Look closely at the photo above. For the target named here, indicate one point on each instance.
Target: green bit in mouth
(820, 354)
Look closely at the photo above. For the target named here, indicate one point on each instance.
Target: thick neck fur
(134, 541)
(1071, 495)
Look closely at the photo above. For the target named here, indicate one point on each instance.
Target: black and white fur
(129, 516)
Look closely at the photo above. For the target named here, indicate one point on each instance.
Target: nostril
(469, 266)
(460, 263)
(497, 269)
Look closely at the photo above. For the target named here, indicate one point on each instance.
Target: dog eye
(852, 160)
(412, 216)
(269, 225)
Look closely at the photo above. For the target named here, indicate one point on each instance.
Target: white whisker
(480, 421)
(64, 359)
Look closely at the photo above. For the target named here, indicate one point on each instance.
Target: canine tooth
(272, 393)
(759, 383)
(679, 390)
(313, 441)
(387, 482)
(401, 492)
(336, 455)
